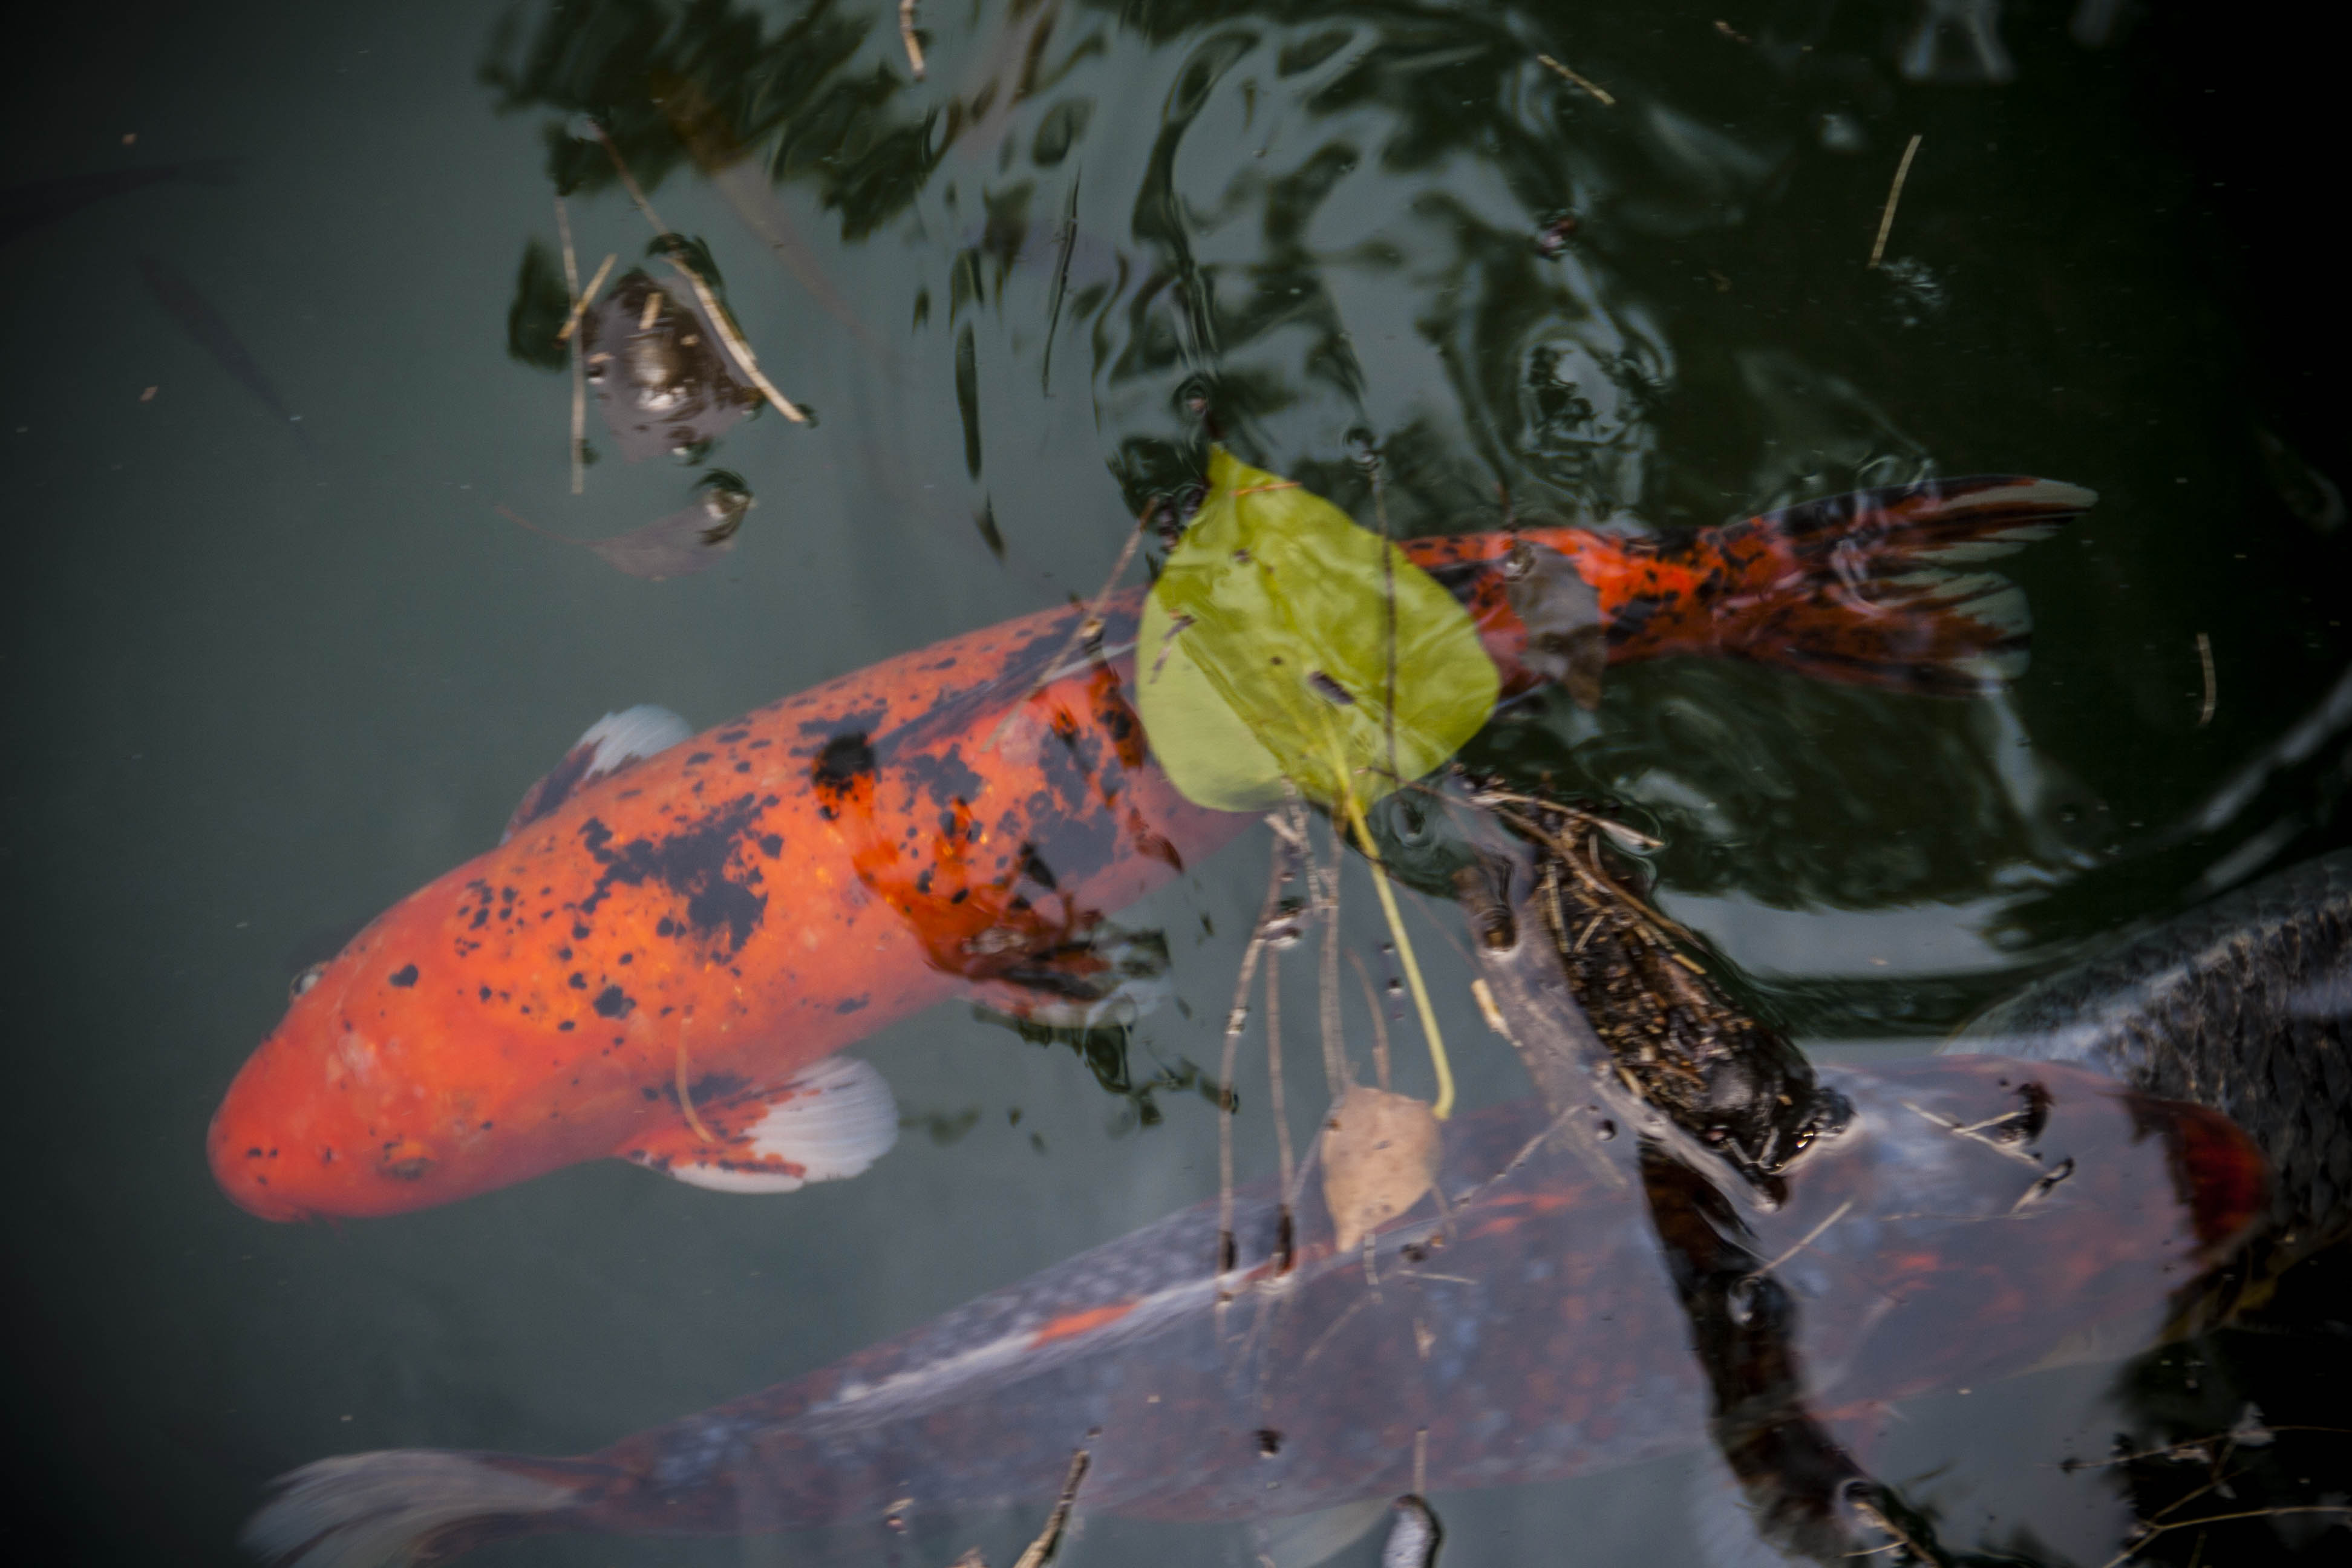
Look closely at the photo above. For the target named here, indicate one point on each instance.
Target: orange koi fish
(664, 957)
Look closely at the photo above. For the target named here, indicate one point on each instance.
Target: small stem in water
(1443, 1107)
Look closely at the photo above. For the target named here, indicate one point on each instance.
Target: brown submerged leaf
(1379, 1156)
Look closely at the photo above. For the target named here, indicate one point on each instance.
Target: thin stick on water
(1894, 194)
(1236, 1021)
(1335, 1049)
(1090, 627)
(1041, 1551)
(2154, 1530)
(2212, 693)
(906, 36)
(1275, 1101)
(1606, 100)
(1379, 1022)
(580, 305)
(570, 262)
(629, 181)
(736, 346)
(579, 372)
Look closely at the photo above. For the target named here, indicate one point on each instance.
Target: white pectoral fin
(603, 749)
(828, 1121)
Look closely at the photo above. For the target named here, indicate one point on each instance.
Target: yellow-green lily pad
(1263, 654)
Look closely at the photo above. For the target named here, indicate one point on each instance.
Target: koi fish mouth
(244, 1173)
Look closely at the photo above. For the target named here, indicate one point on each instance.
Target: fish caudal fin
(407, 1505)
(830, 1121)
(610, 745)
(1873, 588)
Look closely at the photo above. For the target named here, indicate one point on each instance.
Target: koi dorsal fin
(607, 746)
(830, 1120)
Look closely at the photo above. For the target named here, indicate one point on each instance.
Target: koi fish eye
(304, 980)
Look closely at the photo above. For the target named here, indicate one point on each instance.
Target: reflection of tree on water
(1331, 227)
(1343, 221)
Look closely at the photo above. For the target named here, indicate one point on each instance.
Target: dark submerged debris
(660, 372)
(541, 306)
(1604, 1003)
(1672, 1037)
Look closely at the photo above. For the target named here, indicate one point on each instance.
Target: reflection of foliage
(1106, 1049)
(2198, 1447)
(541, 302)
(692, 252)
(706, 80)
(1298, 182)
(1798, 792)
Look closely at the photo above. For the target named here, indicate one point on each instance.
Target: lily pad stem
(1444, 1106)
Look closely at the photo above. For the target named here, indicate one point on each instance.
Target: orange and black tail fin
(1876, 588)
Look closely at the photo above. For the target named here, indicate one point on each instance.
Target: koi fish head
(384, 1088)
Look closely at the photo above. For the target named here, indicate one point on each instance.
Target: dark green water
(265, 677)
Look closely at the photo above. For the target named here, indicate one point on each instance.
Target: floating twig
(1805, 1241)
(2212, 693)
(737, 349)
(1872, 1514)
(1236, 1020)
(906, 36)
(580, 304)
(1326, 881)
(2200, 1448)
(1894, 194)
(2152, 1531)
(1277, 1104)
(1595, 89)
(1041, 1551)
(629, 181)
(1484, 994)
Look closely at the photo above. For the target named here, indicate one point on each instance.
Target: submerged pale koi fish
(661, 960)
(1973, 1214)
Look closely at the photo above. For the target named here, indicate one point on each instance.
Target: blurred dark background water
(264, 675)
